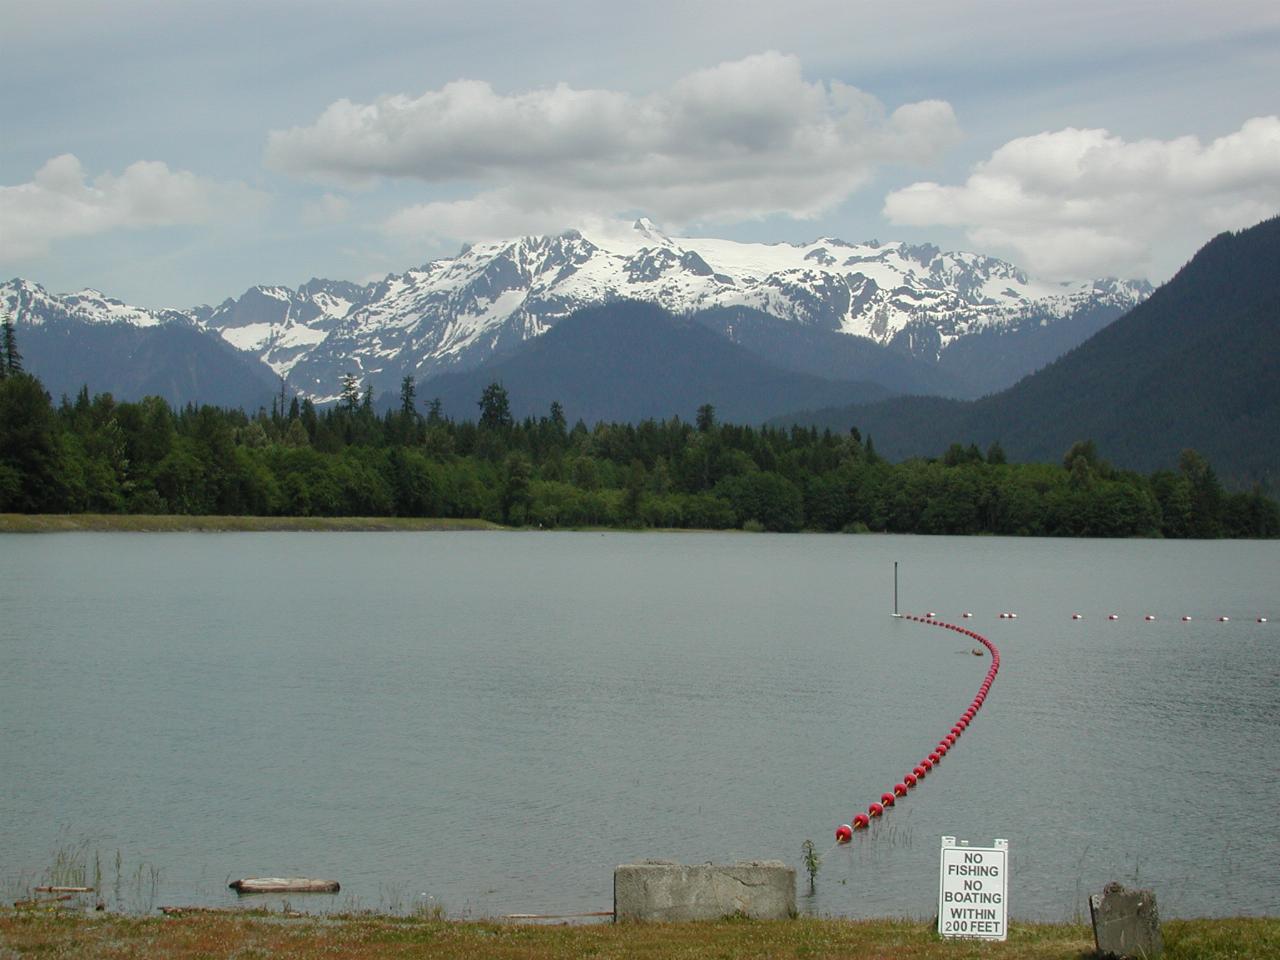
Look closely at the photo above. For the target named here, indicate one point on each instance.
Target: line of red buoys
(861, 821)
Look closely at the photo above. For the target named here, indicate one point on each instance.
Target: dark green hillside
(1192, 367)
(629, 361)
(176, 361)
(835, 356)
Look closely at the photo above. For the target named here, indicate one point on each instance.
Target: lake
(492, 721)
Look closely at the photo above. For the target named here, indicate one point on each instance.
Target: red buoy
(878, 809)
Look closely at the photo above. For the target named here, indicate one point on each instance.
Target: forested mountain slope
(1194, 366)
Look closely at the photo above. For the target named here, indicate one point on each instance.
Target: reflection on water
(492, 722)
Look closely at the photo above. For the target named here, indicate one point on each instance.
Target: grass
(53, 933)
(167, 523)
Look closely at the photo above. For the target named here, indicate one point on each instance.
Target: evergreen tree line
(94, 454)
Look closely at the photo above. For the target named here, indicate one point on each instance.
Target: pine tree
(350, 393)
(12, 359)
(558, 419)
(706, 419)
(408, 395)
(495, 408)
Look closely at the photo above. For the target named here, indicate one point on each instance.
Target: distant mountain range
(909, 319)
(638, 325)
(1194, 366)
(86, 339)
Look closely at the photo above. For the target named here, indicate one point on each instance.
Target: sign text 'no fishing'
(973, 891)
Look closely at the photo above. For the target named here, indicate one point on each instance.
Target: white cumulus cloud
(742, 140)
(60, 202)
(1074, 203)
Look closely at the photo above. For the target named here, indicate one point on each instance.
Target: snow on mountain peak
(25, 302)
(455, 312)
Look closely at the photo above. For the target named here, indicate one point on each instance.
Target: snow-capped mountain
(87, 339)
(27, 303)
(453, 314)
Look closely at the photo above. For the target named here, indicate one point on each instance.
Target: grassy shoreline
(174, 523)
(239, 934)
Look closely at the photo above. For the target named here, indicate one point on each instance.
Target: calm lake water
(493, 721)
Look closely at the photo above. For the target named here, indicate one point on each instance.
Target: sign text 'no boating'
(973, 890)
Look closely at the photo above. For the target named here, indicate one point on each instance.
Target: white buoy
(1149, 616)
(1224, 619)
(1112, 616)
(1186, 619)
(1076, 616)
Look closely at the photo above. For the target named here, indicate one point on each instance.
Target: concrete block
(666, 891)
(1126, 922)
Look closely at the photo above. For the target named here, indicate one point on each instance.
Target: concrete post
(666, 891)
(1126, 923)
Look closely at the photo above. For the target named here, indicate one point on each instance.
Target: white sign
(973, 892)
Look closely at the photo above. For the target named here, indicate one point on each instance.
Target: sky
(177, 153)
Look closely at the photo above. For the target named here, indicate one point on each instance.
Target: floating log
(64, 889)
(283, 885)
(555, 916)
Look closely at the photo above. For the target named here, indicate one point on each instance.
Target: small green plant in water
(811, 862)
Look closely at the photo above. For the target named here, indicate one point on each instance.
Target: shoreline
(28, 932)
(180, 523)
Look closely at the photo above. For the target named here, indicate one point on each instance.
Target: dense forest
(93, 454)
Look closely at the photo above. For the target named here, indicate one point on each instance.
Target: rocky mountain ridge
(456, 313)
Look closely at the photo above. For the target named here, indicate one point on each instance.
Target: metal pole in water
(895, 590)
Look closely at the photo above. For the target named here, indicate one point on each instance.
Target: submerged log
(41, 901)
(284, 885)
(64, 890)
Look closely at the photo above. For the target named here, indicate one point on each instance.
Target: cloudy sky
(173, 153)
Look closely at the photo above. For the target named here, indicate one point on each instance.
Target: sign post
(973, 890)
